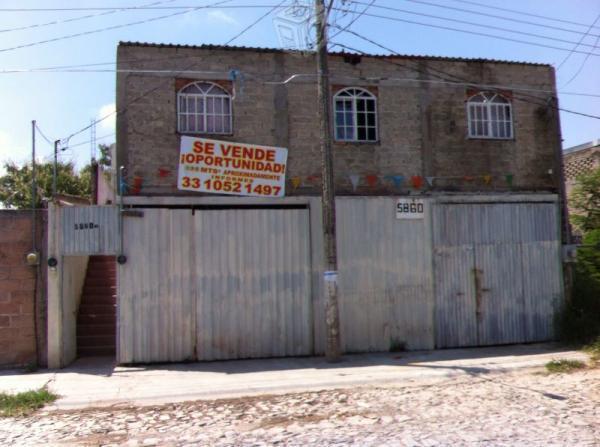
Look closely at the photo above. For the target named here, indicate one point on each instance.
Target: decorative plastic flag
(371, 180)
(430, 180)
(137, 184)
(398, 180)
(355, 180)
(163, 172)
(296, 182)
(313, 178)
(468, 178)
(416, 181)
(487, 179)
(509, 179)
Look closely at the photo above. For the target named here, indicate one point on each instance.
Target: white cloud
(107, 126)
(222, 16)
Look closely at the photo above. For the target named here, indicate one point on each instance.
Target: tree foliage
(15, 185)
(585, 201)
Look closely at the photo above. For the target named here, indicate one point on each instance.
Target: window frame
(228, 114)
(353, 99)
(486, 107)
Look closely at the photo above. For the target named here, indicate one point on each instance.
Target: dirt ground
(528, 407)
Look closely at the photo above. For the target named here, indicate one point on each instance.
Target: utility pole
(55, 168)
(332, 318)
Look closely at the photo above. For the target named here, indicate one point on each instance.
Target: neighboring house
(447, 202)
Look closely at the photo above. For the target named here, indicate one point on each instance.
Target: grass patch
(593, 349)
(564, 366)
(22, 404)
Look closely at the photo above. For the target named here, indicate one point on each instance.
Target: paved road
(525, 408)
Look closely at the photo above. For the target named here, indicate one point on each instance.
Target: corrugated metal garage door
(498, 273)
(385, 277)
(215, 284)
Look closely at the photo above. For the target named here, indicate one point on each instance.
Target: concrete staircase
(96, 321)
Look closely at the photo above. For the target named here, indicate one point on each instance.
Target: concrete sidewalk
(95, 382)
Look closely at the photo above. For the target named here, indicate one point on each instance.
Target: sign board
(410, 209)
(226, 167)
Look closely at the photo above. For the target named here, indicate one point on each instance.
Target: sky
(63, 103)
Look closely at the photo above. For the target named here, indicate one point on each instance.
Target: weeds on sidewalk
(564, 366)
(22, 404)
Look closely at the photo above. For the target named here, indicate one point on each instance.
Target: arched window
(490, 116)
(355, 112)
(203, 107)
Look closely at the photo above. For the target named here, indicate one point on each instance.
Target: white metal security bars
(490, 116)
(355, 115)
(203, 107)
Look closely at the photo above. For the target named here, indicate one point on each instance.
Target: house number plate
(410, 209)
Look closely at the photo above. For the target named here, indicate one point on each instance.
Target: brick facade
(17, 289)
(422, 122)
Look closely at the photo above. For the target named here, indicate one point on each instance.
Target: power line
(124, 8)
(271, 81)
(521, 13)
(75, 19)
(495, 16)
(579, 43)
(482, 25)
(354, 19)
(582, 64)
(456, 77)
(71, 146)
(48, 140)
(255, 22)
(110, 28)
(152, 90)
(476, 33)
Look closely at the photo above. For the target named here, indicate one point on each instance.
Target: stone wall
(18, 289)
(422, 118)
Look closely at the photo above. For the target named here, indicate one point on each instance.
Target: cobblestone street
(520, 408)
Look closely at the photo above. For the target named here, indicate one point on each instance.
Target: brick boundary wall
(19, 290)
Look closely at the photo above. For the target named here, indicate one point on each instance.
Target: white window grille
(355, 111)
(203, 107)
(490, 116)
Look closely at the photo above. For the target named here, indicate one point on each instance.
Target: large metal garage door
(215, 284)
(497, 273)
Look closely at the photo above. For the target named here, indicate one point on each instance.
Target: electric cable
(75, 19)
(476, 33)
(483, 25)
(110, 28)
(152, 90)
(578, 44)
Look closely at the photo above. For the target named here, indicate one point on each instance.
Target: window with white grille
(490, 116)
(203, 107)
(355, 111)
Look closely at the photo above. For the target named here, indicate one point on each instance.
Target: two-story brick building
(448, 209)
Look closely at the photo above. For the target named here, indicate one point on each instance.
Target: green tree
(585, 201)
(15, 185)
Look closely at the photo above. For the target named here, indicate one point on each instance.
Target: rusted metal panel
(89, 230)
(253, 283)
(511, 286)
(385, 276)
(156, 302)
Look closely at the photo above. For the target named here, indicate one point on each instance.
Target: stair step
(106, 300)
(96, 351)
(96, 329)
(96, 319)
(97, 309)
(100, 281)
(85, 341)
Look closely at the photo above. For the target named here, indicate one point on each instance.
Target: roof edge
(333, 53)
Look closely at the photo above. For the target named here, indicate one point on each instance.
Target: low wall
(20, 286)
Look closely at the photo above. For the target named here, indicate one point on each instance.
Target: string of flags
(399, 181)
